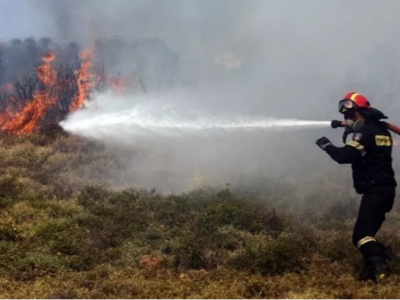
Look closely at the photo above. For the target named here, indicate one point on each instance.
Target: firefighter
(370, 154)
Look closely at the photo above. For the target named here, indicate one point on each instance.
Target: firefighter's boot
(376, 267)
(391, 255)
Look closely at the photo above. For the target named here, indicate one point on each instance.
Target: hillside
(64, 234)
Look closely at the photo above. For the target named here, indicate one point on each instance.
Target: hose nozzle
(337, 124)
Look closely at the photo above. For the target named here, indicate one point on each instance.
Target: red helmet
(353, 101)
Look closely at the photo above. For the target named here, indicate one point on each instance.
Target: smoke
(266, 59)
(275, 54)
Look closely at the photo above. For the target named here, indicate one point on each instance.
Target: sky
(19, 19)
(287, 58)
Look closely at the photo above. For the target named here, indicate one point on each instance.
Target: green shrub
(288, 253)
(34, 265)
(62, 236)
(244, 214)
(188, 253)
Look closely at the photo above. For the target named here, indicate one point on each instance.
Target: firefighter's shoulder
(372, 136)
(364, 134)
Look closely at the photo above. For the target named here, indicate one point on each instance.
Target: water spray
(108, 124)
(152, 117)
(170, 126)
(155, 116)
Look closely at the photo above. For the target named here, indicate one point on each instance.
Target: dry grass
(64, 235)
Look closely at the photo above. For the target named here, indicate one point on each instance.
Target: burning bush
(42, 83)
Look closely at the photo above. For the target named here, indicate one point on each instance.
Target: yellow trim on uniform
(358, 146)
(365, 240)
(383, 140)
(353, 97)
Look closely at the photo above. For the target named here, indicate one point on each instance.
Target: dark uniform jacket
(370, 154)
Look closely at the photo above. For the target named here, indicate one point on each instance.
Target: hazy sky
(18, 19)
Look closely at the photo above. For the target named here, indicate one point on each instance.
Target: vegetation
(64, 234)
(66, 231)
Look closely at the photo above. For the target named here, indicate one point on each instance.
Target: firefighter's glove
(323, 143)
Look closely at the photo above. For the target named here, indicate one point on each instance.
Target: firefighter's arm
(350, 153)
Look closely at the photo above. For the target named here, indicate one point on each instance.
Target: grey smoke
(283, 59)
(290, 52)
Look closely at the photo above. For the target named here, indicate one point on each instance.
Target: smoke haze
(288, 52)
(274, 59)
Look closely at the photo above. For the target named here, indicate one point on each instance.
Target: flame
(85, 84)
(22, 116)
(27, 120)
(119, 85)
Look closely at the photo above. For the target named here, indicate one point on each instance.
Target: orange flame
(120, 85)
(26, 120)
(85, 83)
(21, 117)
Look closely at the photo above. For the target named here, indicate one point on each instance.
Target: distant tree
(16, 42)
(45, 42)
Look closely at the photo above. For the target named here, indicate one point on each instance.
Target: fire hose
(391, 127)
(337, 124)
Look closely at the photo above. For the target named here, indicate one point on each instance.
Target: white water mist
(149, 118)
(141, 125)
